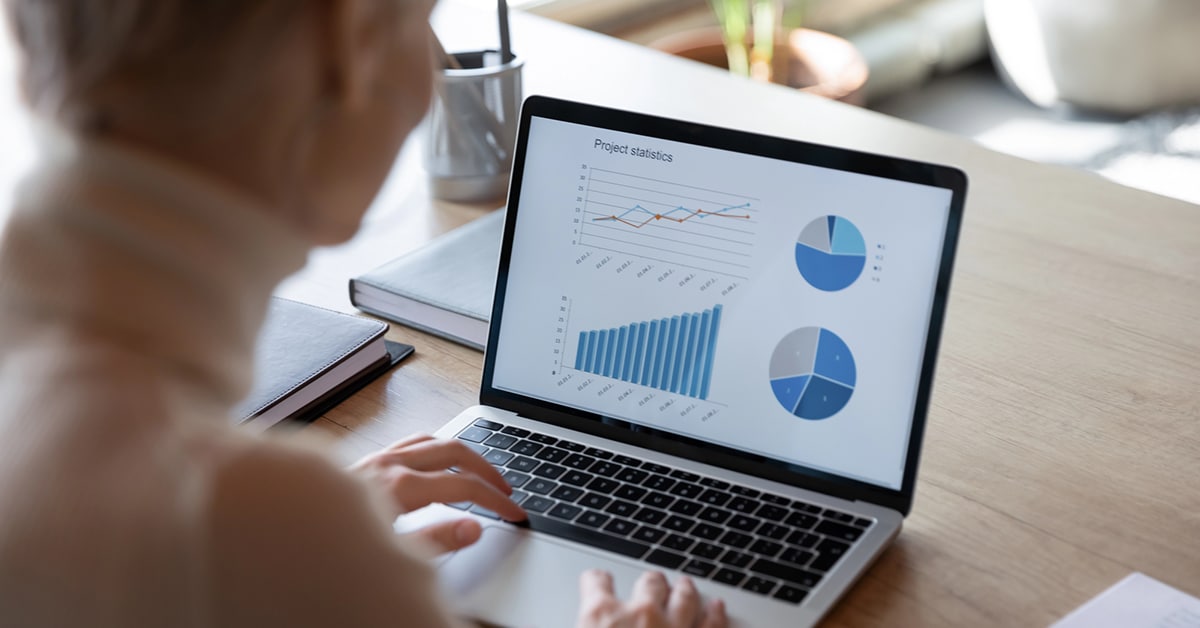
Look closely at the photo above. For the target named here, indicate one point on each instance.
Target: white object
(1138, 601)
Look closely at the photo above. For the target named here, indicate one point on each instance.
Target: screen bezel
(795, 151)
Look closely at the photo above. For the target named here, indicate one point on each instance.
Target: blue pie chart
(812, 373)
(831, 253)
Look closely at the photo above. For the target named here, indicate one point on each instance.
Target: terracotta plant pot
(811, 61)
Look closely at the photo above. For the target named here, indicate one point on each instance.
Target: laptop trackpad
(511, 578)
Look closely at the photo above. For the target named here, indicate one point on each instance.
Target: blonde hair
(75, 49)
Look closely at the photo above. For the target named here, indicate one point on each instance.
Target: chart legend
(674, 354)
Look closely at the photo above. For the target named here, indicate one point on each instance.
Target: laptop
(711, 353)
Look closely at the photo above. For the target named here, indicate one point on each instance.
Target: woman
(194, 150)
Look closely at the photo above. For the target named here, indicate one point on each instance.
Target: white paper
(1138, 601)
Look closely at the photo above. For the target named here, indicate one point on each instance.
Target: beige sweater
(130, 294)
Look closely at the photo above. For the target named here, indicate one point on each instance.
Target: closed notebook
(444, 288)
(308, 359)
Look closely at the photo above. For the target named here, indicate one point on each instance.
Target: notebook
(444, 288)
(712, 354)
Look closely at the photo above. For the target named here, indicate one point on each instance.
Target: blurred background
(1111, 86)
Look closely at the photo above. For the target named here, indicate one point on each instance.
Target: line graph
(652, 216)
(665, 221)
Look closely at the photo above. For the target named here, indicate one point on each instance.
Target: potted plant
(763, 40)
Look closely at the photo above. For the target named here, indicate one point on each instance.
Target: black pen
(506, 53)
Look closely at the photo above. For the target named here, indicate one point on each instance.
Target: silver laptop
(711, 353)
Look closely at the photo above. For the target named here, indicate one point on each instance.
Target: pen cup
(471, 128)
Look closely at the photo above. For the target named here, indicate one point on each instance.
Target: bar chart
(674, 354)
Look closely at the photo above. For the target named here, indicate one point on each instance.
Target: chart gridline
(674, 354)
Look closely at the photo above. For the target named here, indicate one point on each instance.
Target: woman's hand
(654, 604)
(415, 472)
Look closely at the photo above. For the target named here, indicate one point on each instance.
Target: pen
(506, 53)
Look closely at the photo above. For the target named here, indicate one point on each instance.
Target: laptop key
(788, 593)
(743, 523)
(766, 548)
(592, 500)
(626, 460)
(836, 515)
(771, 512)
(677, 542)
(658, 483)
(540, 486)
(578, 461)
(829, 552)
(862, 523)
(537, 504)
(794, 575)
(686, 489)
(650, 515)
(633, 476)
(775, 499)
(500, 441)
(631, 492)
(649, 534)
(484, 512)
(678, 524)
(657, 500)
(549, 471)
(653, 467)
(620, 527)
(707, 551)
(686, 508)
(518, 496)
(801, 520)
(487, 425)
(521, 463)
(592, 519)
(773, 531)
(796, 556)
(498, 457)
(565, 511)
(759, 585)
(811, 509)
(551, 454)
(745, 491)
(525, 448)
(736, 559)
(604, 468)
(567, 493)
(474, 434)
(543, 439)
(622, 508)
(515, 479)
(699, 568)
(736, 539)
(598, 453)
(714, 497)
(587, 536)
(839, 530)
(743, 505)
(513, 430)
(707, 531)
(803, 539)
(714, 515)
(576, 478)
(569, 446)
(663, 558)
(729, 576)
(475, 447)
(603, 485)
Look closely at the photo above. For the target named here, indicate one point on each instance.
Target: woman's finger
(683, 606)
(450, 536)
(596, 597)
(651, 588)
(408, 441)
(714, 615)
(437, 455)
(414, 489)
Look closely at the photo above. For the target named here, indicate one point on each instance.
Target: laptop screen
(759, 304)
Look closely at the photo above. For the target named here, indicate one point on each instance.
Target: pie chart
(831, 253)
(812, 373)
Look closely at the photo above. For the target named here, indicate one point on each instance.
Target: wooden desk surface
(1063, 442)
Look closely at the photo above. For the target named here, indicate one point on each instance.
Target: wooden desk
(1063, 443)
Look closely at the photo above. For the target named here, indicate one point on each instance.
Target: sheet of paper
(1138, 601)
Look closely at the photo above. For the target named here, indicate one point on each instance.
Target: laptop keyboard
(705, 527)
